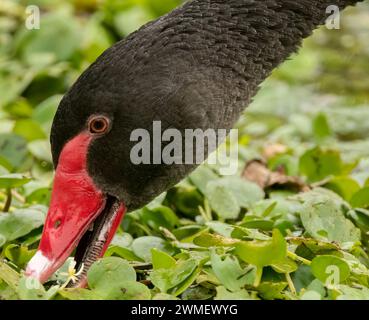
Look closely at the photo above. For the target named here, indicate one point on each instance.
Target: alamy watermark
(189, 146)
(33, 18)
(333, 22)
(333, 278)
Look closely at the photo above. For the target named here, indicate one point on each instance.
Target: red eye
(98, 124)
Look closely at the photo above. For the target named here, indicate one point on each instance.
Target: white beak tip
(39, 267)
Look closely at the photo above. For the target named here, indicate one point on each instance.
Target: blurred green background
(315, 102)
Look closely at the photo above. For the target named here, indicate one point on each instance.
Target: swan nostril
(57, 224)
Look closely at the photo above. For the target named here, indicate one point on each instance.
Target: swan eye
(98, 125)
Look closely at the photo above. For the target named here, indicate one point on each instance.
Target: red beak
(75, 204)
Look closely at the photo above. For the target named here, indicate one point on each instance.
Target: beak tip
(39, 267)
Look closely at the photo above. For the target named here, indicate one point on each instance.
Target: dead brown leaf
(258, 172)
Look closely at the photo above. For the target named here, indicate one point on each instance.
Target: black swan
(196, 67)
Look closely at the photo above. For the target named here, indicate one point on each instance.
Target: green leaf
(366, 183)
(32, 289)
(122, 252)
(331, 270)
(197, 292)
(202, 176)
(317, 286)
(164, 296)
(161, 7)
(246, 192)
(131, 291)
(244, 234)
(114, 279)
(272, 208)
(96, 38)
(361, 218)
(130, 20)
(40, 149)
(44, 112)
(187, 233)
(285, 266)
(162, 260)
(9, 275)
(29, 129)
(183, 286)
(105, 272)
(47, 41)
(221, 228)
(14, 180)
(318, 164)
(187, 201)
(13, 151)
(346, 187)
(222, 200)
(213, 240)
(272, 290)
(324, 219)
(357, 293)
(229, 272)
(166, 279)
(40, 196)
(161, 216)
(122, 240)
(157, 202)
(19, 255)
(20, 222)
(79, 294)
(302, 277)
(142, 246)
(315, 246)
(12, 86)
(7, 293)
(224, 294)
(263, 253)
(254, 223)
(361, 198)
(19, 108)
(321, 127)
